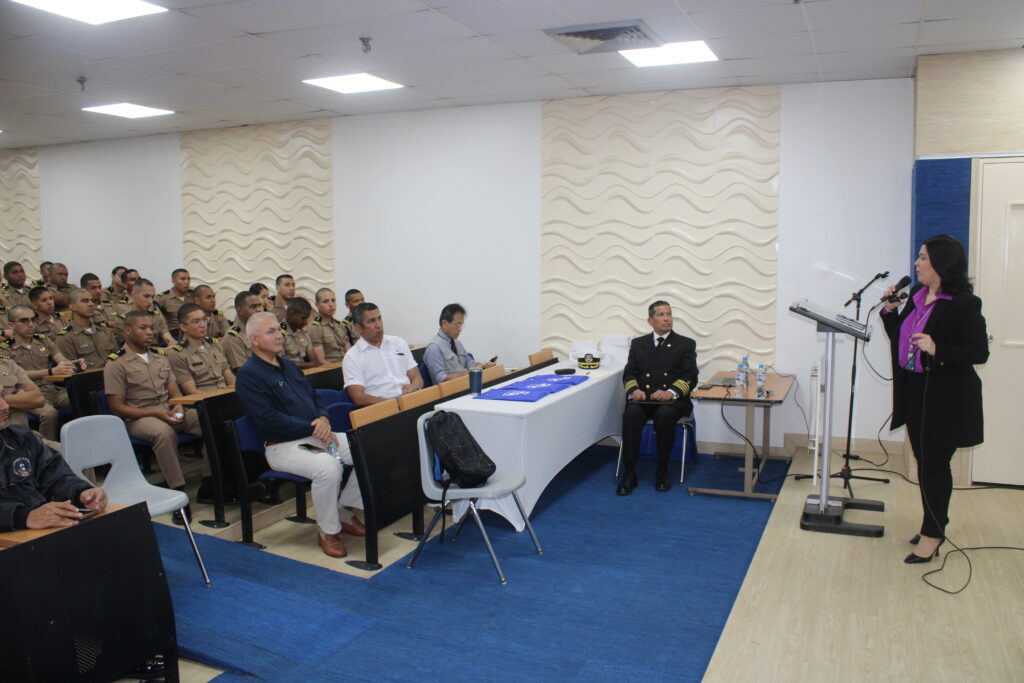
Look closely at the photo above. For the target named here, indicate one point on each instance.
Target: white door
(998, 257)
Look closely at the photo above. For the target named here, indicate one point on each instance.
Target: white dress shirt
(380, 371)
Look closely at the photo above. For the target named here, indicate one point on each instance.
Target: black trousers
(933, 460)
(665, 417)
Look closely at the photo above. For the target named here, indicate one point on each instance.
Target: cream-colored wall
(21, 230)
(970, 103)
(257, 202)
(669, 195)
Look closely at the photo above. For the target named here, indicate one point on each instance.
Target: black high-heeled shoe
(914, 558)
(916, 539)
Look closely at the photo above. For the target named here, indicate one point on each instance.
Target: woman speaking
(936, 341)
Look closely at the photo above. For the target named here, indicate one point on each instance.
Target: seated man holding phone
(291, 418)
(37, 488)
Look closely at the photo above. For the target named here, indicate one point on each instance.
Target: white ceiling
(221, 63)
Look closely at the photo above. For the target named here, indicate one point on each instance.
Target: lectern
(822, 513)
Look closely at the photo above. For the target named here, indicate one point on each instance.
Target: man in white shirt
(380, 366)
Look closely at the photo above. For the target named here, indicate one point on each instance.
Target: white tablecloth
(543, 437)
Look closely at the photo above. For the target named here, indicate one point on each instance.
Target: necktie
(452, 341)
(661, 340)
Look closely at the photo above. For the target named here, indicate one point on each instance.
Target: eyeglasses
(197, 321)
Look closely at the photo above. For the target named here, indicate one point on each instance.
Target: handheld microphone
(893, 298)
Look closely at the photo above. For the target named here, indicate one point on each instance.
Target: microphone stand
(845, 474)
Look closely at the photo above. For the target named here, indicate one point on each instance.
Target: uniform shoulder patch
(211, 340)
(117, 354)
(178, 347)
(233, 331)
(66, 330)
(160, 351)
(122, 316)
(40, 335)
(318, 323)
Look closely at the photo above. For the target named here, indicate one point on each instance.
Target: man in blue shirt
(289, 414)
(446, 357)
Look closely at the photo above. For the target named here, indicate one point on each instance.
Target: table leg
(749, 473)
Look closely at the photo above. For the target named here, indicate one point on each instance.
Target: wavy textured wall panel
(257, 202)
(21, 229)
(669, 196)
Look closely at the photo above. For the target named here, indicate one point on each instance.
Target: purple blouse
(914, 323)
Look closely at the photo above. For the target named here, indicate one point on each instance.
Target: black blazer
(673, 366)
(953, 413)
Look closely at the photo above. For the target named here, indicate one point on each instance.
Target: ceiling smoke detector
(611, 37)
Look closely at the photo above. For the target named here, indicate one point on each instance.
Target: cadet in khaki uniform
(236, 347)
(353, 298)
(103, 315)
(115, 292)
(15, 289)
(143, 294)
(217, 325)
(298, 347)
(35, 353)
(169, 301)
(139, 383)
(198, 362)
(330, 340)
(20, 392)
(83, 339)
(128, 279)
(285, 292)
(59, 286)
(47, 323)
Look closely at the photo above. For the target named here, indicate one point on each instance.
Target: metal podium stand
(822, 513)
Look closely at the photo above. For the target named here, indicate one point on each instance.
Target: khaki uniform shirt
(169, 302)
(204, 365)
(93, 345)
(143, 385)
(330, 334)
(49, 327)
(60, 289)
(297, 344)
(350, 330)
(16, 298)
(217, 325)
(38, 355)
(236, 347)
(14, 379)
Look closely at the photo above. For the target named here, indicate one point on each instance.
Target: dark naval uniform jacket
(671, 367)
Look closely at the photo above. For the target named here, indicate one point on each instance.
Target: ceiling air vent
(593, 38)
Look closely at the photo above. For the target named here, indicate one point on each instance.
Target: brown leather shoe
(331, 544)
(353, 528)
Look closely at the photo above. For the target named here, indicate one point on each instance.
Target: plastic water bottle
(760, 381)
(741, 377)
(746, 364)
(332, 450)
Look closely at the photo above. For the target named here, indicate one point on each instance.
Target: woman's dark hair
(949, 261)
(257, 287)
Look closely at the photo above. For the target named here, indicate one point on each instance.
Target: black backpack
(461, 456)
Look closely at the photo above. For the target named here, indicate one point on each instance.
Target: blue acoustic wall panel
(942, 201)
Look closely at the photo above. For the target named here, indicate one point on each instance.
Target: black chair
(86, 603)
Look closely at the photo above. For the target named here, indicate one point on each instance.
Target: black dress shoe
(177, 519)
(663, 483)
(627, 485)
(914, 558)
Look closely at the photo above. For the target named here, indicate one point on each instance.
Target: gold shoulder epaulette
(211, 340)
(317, 322)
(65, 330)
(121, 315)
(40, 335)
(178, 347)
(158, 350)
(233, 331)
(216, 311)
(117, 354)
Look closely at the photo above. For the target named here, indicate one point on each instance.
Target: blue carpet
(628, 588)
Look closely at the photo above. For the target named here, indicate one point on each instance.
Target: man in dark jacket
(660, 373)
(37, 488)
(291, 418)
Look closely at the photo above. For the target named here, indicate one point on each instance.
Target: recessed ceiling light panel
(95, 11)
(353, 83)
(671, 53)
(128, 110)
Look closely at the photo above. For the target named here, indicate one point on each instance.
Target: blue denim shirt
(278, 399)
